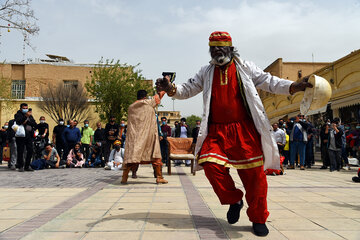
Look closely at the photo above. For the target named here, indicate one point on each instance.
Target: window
(18, 89)
(71, 84)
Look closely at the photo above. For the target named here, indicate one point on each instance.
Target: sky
(169, 35)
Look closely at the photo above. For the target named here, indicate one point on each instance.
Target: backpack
(38, 164)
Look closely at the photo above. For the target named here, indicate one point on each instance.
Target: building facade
(343, 76)
(280, 106)
(172, 116)
(27, 80)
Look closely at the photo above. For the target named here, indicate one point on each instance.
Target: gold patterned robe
(142, 138)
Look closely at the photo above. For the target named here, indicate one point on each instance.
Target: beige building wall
(172, 116)
(8, 109)
(343, 76)
(38, 76)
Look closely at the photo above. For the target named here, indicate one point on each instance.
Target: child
(94, 158)
(75, 158)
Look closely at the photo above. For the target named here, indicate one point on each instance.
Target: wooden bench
(180, 149)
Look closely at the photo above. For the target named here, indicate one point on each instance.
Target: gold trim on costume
(220, 34)
(225, 82)
(173, 90)
(234, 161)
(229, 165)
(220, 44)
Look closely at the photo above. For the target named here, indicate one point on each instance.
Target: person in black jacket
(334, 145)
(24, 117)
(57, 138)
(182, 130)
(195, 131)
(111, 134)
(99, 138)
(324, 138)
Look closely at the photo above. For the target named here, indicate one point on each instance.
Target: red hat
(221, 39)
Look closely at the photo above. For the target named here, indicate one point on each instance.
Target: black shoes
(233, 213)
(21, 169)
(356, 179)
(29, 169)
(233, 216)
(260, 229)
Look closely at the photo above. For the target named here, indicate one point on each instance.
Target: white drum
(316, 97)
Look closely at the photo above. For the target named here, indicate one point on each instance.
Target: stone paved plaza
(92, 204)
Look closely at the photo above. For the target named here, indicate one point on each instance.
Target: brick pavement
(313, 203)
(69, 177)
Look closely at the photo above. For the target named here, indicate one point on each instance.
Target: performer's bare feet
(260, 229)
(233, 213)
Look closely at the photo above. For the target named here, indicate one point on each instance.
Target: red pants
(255, 184)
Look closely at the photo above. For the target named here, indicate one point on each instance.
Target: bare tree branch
(18, 15)
(65, 102)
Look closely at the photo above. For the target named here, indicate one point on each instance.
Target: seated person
(51, 157)
(75, 157)
(116, 157)
(94, 158)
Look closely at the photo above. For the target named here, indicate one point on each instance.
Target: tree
(18, 15)
(66, 102)
(5, 93)
(114, 88)
(191, 121)
(5, 84)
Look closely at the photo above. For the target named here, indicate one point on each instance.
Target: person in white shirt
(280, 137)
(182, 131)
(116, 157)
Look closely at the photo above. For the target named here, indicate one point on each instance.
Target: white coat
(252, 78)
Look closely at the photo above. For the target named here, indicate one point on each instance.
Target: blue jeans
(295, 148)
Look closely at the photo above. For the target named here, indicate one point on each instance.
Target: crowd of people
(338, 142)
(74, 146)
(180, 130)
(71, 146)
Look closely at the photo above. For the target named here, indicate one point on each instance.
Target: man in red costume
(235, 131)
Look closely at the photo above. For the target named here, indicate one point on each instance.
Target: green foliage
(5, 84)
(114, 86)
(5, 93)
(191, 121)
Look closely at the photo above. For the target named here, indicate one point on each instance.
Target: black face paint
(220, 55)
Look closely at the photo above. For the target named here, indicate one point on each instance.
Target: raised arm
(269, 83)
(182, 91)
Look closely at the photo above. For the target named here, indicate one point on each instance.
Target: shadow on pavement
(163, 219)
(345, 205)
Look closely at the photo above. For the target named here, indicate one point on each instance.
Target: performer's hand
(163, 84)
(300, 86)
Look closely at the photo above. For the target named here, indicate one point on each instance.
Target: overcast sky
(173, 35)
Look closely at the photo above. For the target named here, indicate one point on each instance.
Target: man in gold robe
(142, 140)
